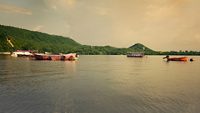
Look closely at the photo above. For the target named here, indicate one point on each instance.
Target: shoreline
(5, 53)
(9, 53)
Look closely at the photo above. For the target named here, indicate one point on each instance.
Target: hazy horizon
(160, 25)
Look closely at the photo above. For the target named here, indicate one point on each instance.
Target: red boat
(176, 58)
(64, 57)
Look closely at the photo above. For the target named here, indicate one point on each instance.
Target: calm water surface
(99, 84)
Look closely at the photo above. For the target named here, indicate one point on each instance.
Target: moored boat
(63, 57)
(135, 54)
(21, 53)
(176, 58)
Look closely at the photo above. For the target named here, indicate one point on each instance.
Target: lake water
(99, 84)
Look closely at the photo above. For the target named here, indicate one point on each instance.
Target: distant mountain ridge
(23, 39)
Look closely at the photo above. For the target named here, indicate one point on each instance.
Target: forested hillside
(23, 39)
(31, 40)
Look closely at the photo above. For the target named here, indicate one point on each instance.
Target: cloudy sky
(158, 24)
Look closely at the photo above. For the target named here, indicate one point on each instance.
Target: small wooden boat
(176, 58)
(135, 54)
(63, 57)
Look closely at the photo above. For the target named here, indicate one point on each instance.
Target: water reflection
(99, 84)
(70, 66)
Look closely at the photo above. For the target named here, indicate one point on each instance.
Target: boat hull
(42, 57)
(135, 54)
(178, 59)
(64, 57)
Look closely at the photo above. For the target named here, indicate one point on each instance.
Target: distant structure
(9, 41)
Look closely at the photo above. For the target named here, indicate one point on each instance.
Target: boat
(62, 57)
(21, 53)
(135, 54)
(176, 58)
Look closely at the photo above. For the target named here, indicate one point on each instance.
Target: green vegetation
(31, 40)
(141, 48)
(101, 50)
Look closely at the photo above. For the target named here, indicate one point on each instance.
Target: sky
(163, 25)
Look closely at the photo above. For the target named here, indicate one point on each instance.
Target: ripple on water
(99, 84)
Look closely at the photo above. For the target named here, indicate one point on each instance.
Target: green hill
(31, 40)
(141, 48)
(23, 39)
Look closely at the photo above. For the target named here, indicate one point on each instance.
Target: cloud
(14, 9)
(60, 4)
(38, 28)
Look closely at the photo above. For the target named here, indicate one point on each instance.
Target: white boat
(20, 53)
(135, 54)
